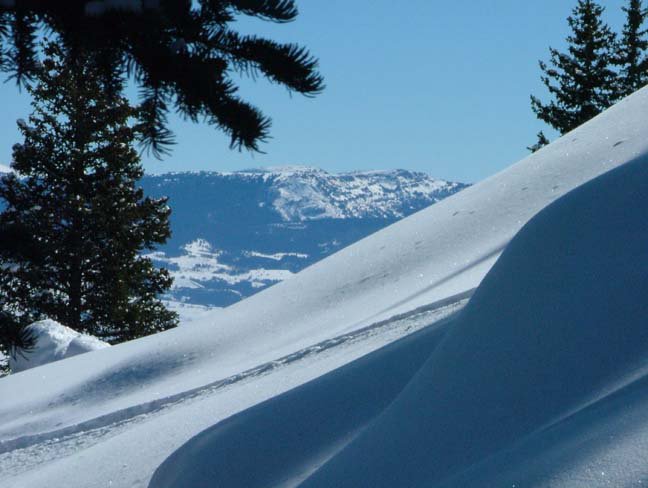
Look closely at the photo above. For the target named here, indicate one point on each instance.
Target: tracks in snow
(19, 454)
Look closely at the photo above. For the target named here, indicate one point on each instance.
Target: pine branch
(162, 44)
(152, 129)
(272, 10)
(22, 56)
(286, 64)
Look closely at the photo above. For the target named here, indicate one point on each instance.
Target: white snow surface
(552, 343)
(278, 256)
(539, 381)
(5, 169)
(188, 312)
(53, 342)
(200, 264)
(112, 417)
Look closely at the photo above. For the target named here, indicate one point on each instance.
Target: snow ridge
(65, 441)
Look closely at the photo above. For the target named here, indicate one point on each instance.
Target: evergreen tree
(542, 142)
(580, 81)
(631, 52)
(84, 221)
(14, 338)
(180, 52)
(16, 245)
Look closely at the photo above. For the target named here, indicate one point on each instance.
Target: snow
(188, 312)
(557, 327)
(200, 264)
(114, 416)
(553, 339)
(303, 193)
(234, 218)
(53, 342)
(5, 169)
(278, 256)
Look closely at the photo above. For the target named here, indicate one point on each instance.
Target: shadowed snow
(437, 253)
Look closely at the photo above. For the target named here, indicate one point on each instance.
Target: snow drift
(559, 324)
(53, 342)
(130, 406)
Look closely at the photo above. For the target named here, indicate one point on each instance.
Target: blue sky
(436, 86)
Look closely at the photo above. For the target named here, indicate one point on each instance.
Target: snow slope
(560, 324)
(557, 330)
(129, 407)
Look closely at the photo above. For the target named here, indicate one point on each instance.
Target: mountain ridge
(237, 232)
(301, 193)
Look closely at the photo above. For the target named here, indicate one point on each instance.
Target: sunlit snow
(538, 381)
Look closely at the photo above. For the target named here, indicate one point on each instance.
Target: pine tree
(177, 52)
(581, 81)
(631, 52)
(80, 210)
(14, 339)
(542, 142)
(16, 245)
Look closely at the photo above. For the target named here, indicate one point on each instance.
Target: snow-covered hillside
(525, 389)
(237, 233)
(117, 416)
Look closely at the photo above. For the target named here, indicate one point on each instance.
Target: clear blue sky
(429, 85)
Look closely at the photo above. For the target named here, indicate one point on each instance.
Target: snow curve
(558, 324)
(556, 328)
(436, 253)
(432, 255)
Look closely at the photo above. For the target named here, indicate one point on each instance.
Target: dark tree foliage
(631, 56)
(181, 53)
(75, 222)
(581, 81)
(542, 142)
(15, 338)
(17, 245)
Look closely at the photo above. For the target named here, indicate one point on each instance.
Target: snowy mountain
(497, 338)
(237, 233)
(4, 169)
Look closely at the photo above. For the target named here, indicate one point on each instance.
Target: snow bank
(441, 251)
(560, 324)
(425, 258)
(282, 441)
(53, 343)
